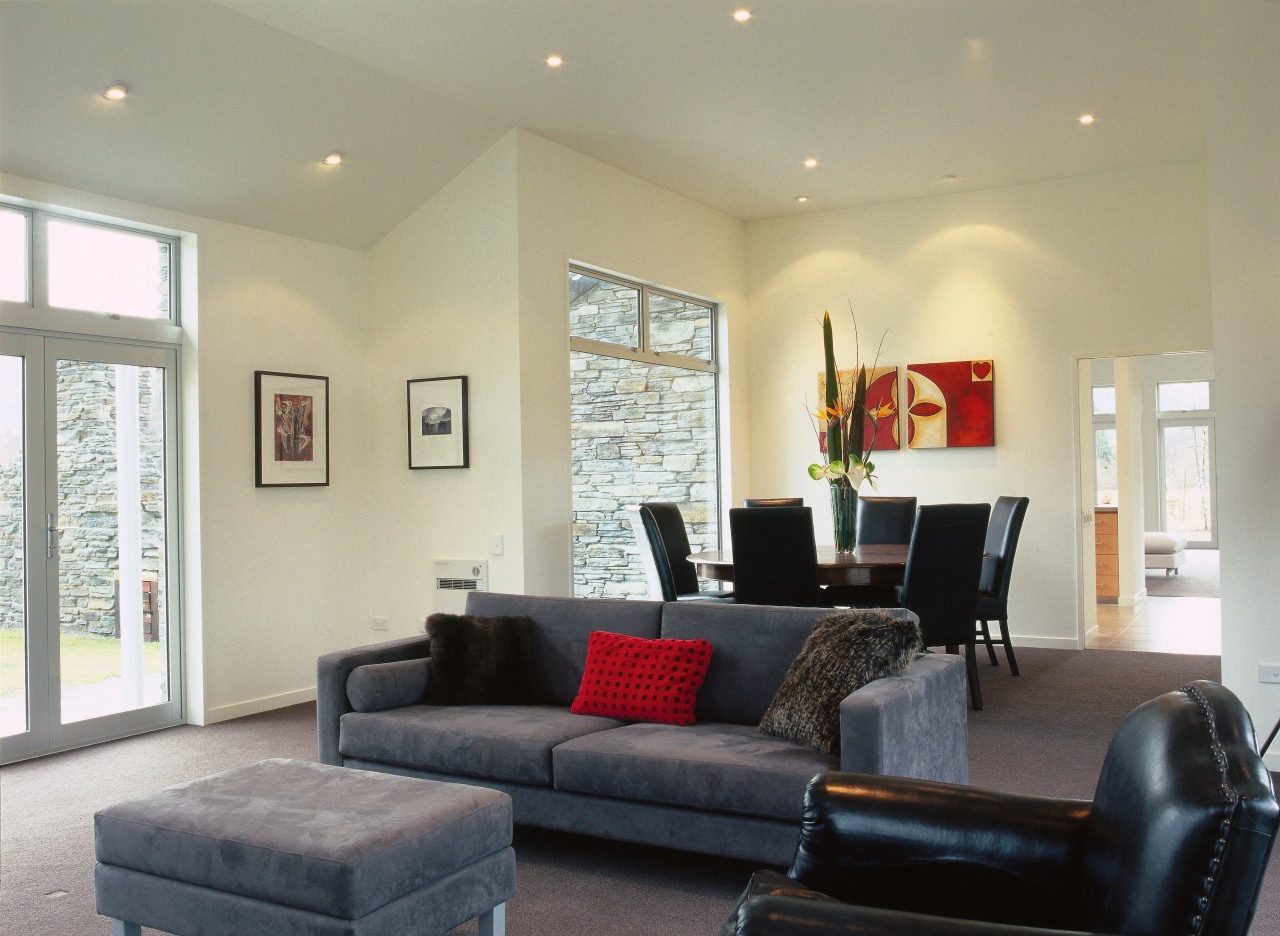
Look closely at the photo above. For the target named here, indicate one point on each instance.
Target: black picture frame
(291, 429)
(438, 422)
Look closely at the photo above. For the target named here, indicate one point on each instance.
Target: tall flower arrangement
(841, 420)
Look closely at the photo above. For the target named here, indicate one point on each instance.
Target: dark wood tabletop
(865, 565)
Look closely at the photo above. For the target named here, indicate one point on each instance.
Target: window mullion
(39, 260)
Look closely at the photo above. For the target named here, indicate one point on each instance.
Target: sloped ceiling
(235, 102)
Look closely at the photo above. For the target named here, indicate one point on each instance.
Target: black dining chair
(940, 583)
(775, 561)
(773, 502)
(664, 550)
(997, 570)
(885, 520)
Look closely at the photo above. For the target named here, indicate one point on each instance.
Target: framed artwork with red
(951, 405)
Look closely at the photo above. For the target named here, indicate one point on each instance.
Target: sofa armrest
(939, 848)
(913, 725)
(332, 671)
(775, 915)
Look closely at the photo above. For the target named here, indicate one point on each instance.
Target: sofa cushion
(754, 648)
(479, 660)
(636, 679)
(1163, 544)
(377, 686)
(726, 768)
(497, 742)
(846, 651)
(561, 627)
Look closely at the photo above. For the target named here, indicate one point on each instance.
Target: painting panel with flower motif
(882, 404)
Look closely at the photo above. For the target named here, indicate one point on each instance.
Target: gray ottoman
(299, 849)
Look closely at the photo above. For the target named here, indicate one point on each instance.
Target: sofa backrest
(561, 627)
(752, 647)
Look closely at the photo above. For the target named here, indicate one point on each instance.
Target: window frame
(645, 353)
(37, 315)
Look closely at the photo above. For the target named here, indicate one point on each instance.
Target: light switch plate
(1269, 672)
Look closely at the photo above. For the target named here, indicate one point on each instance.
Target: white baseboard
(1048, 643)
(254, 706)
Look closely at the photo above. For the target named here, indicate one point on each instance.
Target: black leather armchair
(1175, 841)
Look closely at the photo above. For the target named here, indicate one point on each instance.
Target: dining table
(866, 565)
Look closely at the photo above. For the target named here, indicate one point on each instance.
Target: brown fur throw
(481, 661)
(844, 652)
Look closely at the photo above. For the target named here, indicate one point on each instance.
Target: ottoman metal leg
(494, 923)
(121, 928)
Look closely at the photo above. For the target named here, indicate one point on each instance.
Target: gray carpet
(1044, 732)
(1197, 577)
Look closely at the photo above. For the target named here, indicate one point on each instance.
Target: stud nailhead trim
(1228, 792)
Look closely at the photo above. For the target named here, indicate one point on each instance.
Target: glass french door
(1187, 466)
(89, 642)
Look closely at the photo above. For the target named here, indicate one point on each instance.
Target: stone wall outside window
(88, 551)
(641, 432)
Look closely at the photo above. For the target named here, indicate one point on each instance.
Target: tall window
(1187, 460)
(643, 395)
(1104, 445)
(89, 635)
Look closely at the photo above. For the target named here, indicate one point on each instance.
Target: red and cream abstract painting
(951, 405)
(882, 403)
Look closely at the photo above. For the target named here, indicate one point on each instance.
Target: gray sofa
(718, 787)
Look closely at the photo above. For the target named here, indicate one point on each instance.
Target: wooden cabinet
(1106, 545)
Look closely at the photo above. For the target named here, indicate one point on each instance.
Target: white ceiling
(234, 102)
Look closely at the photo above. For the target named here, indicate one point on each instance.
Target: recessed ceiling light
(116, 91)
(810, 163)
(802, 198)
(1085, 119)
(950, 177)
(333, 159)
(742, 15)
(555, 61)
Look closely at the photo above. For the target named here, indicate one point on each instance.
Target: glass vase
(844, 515)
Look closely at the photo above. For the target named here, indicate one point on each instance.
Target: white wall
(1243, 136)
(1033, 277)
(443, 301)
(576, 208)
(274, 577)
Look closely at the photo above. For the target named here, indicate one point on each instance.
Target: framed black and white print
(291, 424)
(438, 423)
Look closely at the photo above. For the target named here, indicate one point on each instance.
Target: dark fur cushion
(844, 652)
(481, 661)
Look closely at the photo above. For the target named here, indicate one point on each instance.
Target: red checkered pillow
(635, 679)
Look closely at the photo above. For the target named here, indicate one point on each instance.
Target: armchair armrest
(913, 725)
(332, 671)
(776, 915)
(939, 848)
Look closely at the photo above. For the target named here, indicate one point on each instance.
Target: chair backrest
(775, 561)
(1182, 823)
(773, 502)
(944, 563)
(664, 549)
(1002, 543)
(885, 520)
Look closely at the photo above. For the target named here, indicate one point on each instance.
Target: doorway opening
(1148, 484)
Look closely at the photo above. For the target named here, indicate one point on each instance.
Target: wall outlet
(379, 624)
(1269, 672)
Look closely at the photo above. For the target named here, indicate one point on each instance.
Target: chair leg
(986, 639)
(1008, 645)
(971, 665)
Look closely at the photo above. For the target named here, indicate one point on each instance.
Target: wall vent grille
(461, 575)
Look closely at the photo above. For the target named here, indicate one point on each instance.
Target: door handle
(52, 535)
